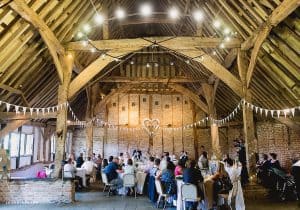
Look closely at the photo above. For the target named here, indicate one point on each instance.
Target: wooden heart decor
(151, 126)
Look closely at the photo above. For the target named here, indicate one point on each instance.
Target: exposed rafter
(183, 43)
(133, 80)
(48, 36)
(259, 36)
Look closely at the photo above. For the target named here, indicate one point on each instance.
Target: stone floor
(93, 198)
(99, 201)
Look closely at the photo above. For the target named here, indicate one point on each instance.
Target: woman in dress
(235, 198)
(179, 168)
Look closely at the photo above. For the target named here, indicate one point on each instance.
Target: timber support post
(62, 114)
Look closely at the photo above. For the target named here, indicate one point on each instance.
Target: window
(132, 104)
(178, 99)
(156, 103)
(14, 144)
(144, 99)
(53, 139)
(22, 144)
(6, 142)
(167, 106)
(114, 104)
(29, 145)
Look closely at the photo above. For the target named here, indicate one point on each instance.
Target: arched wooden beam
(48, 36)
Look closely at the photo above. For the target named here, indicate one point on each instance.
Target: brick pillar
(61, 122)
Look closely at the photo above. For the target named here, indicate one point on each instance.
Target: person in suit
(79, 161)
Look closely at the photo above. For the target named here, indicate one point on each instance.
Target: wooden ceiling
(268, 30)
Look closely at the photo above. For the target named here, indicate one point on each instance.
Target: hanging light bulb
(226, 31)
(146, 10)
(227, 39)
(217, 23)
(222, 45)
(79, 34)
(99, 19)
(87, 28)
(120, 13)
(173, 13)
(84, 43)
(198, 15)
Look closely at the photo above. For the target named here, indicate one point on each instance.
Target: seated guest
(104, 163)
(89, 166)
(179, 168)
(203, 163)
(94, 159)
(151, 186)
(262, 169)
(99, 166)
(69, 169)
(110, 159)
(172, 166)
(183, 156)
(226, 158)
(168, 182)
(112, 171)
(274, 163)
(193, 176)
(149, 165)
(121, 159)
(79, 161)
(129, 168)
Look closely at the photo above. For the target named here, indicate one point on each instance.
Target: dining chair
(129, 181)
(189, 194)
(106, 183)
(160, 193)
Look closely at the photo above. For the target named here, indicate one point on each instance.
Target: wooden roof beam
(117, 79)
(183, 43)
(48, 36)
(257, 39)
(11, 126)
(214, 67)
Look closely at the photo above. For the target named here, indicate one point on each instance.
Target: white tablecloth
(81, 173)
(140, 179)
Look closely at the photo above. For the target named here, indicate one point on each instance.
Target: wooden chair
(160, 193)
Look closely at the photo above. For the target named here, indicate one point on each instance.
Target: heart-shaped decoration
(151, 126)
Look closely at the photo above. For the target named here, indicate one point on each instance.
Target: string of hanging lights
(146, 10)
(100, 123)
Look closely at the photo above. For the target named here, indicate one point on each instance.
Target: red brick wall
(278, 138)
